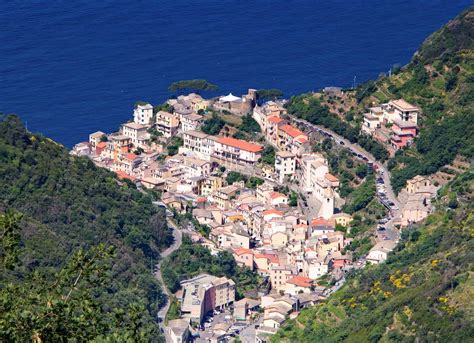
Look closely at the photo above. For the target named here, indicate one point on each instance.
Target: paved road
(177, 234)
(391, 232)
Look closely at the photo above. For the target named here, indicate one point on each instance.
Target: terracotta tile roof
(300, 225)
(292, 131)
(320, 222)
(275, 195)
(300, 281)
(275, 120)
(124, 175)
(331, 177)
(301, 139)
(101, 145)
(241, 251)
(201, 199)
(269, 257)
(131, 156)
(238, 143)
(272, 211)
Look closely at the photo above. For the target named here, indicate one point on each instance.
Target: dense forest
(423, 293)
(75, 227)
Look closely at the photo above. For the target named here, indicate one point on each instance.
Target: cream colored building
(198, 143)
(167, 123)
(191, 122)
(279, 275)
(285, 165)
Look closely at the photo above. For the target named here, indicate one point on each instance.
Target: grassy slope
(440, 80)
(423, 292)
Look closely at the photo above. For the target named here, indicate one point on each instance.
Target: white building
(380, 251)
(142, 114)
(237, 151)
(285, 165)
(400, 110)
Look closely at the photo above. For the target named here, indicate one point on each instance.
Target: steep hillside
(423, 293)
(440, 80)
(68, 204)
(425, 290)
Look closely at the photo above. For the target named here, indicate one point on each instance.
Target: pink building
(403, 134)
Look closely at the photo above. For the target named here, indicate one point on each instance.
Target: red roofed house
(237, 151)
(403, 133)
(263, 262)
(99, 147)
(298, 284)
(243, 257)
(333, 180)
(291, 139)
(271, 128)
(277, 199)
(320, 226)
(271, 213)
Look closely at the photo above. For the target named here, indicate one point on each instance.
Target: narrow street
(177, 234)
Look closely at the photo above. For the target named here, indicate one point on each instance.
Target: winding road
(391, 232)
(178, 238)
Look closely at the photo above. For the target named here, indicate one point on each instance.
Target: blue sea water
(73, 67)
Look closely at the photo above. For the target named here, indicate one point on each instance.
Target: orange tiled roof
(275, 120)
(241, 251)
(301, 139)
(301, 281)
(101, 145)
(124, 175)
(238, 143)
(331, 177)
(292, 131)
(131, 156)
(272, 211)
(275, 195)
(320, 221)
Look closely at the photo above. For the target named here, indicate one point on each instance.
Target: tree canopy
(70, 208)
(193, 85)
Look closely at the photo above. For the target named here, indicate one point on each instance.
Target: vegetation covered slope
(440, 80)
(423, 293)
(68, 204)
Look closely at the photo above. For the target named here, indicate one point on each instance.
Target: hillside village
(260, 217)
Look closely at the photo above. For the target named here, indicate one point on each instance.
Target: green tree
(195, 85)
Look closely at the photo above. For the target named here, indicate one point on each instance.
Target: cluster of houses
(393, 123)
(258, 225)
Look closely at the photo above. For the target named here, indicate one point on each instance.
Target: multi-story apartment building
(142, 114)
(137, 133)
(198, 144)
(236, 151)
(167, 123)
(285, 165)
(205, 293)
(191, 122)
